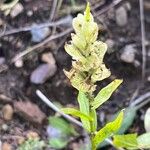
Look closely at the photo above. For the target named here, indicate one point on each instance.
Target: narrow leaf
(147, 120)
(128, 141)
(76, 113)
(144, 141)
(94, 117)
(84, 108)
(105, 93)
(129, 116)
(108, 130)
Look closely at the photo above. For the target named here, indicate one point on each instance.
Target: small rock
(16, 10)
(7, 112)
(42, 73)
(128, 54)
(6, 146)
(29, 13)
(1, 22)
(2, 60)
(110, 43)
(48, 58)
(19, 63)
(20, 140)
(148, 78)
(39, 34)
(4, 127)
(32, 135)
(29, 111)
(121, 16)
(127, 5)
(0, 145)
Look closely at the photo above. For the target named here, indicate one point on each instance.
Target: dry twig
(30, 49)
(38, 26)
(143, 38)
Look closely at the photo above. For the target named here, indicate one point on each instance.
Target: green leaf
(108, 130)
(128, 141)
(94, 117)
(87, 12)
(129, 116)
(76, 113)
(84, 108)
(32, 144)
(147, 120)
(144, 141)
(105, 93)
(58, 143)
(61, 124)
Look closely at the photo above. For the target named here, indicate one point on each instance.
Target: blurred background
(32, 56)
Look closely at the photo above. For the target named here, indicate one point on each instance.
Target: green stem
(93, 124)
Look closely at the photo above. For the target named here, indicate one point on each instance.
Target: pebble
(19, 63)
(7, 111)
(121, 16)
(16, 10)
(42, 73)
(4, 127)
(128, 54)
(1, 22)
(110, 43)
(32, 135)
(29, 13)
(6, 146)
(48, 58)
(39, 34)
(0, 144)
(20, 140)
(2, 60)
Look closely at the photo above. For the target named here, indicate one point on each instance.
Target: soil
(15, 82)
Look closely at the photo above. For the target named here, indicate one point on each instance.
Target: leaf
(129, 116)
(87, 12)
(76, 113)
(147, 120)
(108, 130)
(105, 93)
(58, 143)
(128, 141)
(32, 144)
(84, 108)
(144, 141)
(61, 124)
(74, 52)
(94, 117)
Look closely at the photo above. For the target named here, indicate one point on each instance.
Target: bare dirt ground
(16, 85)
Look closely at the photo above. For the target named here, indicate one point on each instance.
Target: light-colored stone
(16, 10)
(39, 34)
(128, 54)
(7, 111)
(48, 58)
(2, 60)
(121, 16)
(32, 135)
(19, 63)
(6, 146)
(42, 73)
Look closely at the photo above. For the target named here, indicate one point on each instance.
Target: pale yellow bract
(87, 54)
